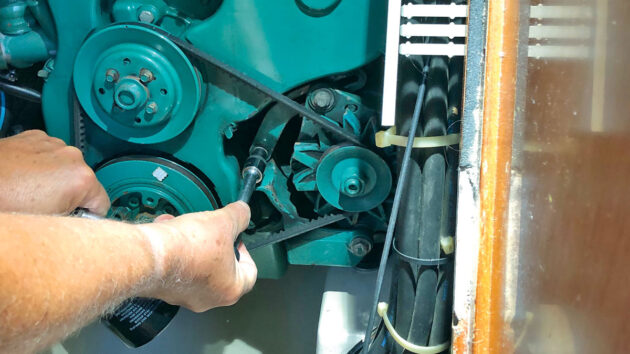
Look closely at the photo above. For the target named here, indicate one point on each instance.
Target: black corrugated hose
(402, 178)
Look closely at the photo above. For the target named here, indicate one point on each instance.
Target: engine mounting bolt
(360, 246)
(322, 100)
(151, 108)
(146, 16)
(111, 75)
(146, 76)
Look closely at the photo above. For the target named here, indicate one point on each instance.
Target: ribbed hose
(433, 171)
(402, 180)
(441, 329)
(407, 226)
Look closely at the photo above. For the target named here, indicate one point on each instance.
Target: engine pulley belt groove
(192, 51)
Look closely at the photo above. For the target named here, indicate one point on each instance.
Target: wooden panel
(555, 190)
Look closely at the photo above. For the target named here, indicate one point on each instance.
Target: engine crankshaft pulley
(143, 187)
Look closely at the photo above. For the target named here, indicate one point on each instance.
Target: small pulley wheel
(353, 178)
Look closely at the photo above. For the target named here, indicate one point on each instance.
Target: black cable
(24, 93)
(402, 178)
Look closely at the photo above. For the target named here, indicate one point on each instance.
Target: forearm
(57, 274)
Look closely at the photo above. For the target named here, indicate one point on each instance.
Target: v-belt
(193, 52)
(292, 231)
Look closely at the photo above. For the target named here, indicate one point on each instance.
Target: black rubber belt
(294, 231)
(277, 96)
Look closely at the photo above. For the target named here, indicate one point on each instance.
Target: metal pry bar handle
(85, 214)
(253, 172)
(252, 175)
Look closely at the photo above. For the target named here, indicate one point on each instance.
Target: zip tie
(420, 261)
(382, 311)
(388, 137)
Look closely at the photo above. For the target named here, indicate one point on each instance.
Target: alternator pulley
(353, 178)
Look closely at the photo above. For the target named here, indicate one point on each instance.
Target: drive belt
(292, 231)
(193, 52)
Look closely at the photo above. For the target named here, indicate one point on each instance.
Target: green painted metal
(22, 45)
(276, 43)
(324, 247)
(156, 186)
(156, 12)
(12, 20)
(24, 50)
(73, 24)
(41, 13)
(136, 84)
(276, 187)
(271, 261)
(353, 179)
(272, 41)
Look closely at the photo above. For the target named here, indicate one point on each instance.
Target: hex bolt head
(322, 100)
(151, 108)
(146, 16)
(360, 246)
(111, 76)
(146, 76)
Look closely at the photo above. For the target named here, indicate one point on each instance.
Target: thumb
(240, 213)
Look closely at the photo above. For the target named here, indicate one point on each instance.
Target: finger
(163, 218)
(239, 213)
(96, 200)
(247, 269)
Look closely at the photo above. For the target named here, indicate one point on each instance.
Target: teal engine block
(169, 132)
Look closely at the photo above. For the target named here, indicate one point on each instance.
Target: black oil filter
(137, 321)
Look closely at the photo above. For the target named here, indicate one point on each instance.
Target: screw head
(360, 246)
(111, 75)
(146, 16)
(151, 108)
(146, 76)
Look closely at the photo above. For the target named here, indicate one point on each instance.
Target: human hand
(42, 175)
(198, 268)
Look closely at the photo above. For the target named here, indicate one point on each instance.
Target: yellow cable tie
(382, 311)
(388, 137)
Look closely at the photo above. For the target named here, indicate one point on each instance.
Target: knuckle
(196, 308)
(57, 141)
(84, 177)
(34, 133)
(72, 152)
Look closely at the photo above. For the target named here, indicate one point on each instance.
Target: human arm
(57, 274)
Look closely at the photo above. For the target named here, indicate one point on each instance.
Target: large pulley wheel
(142, 187)
(136, 84)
